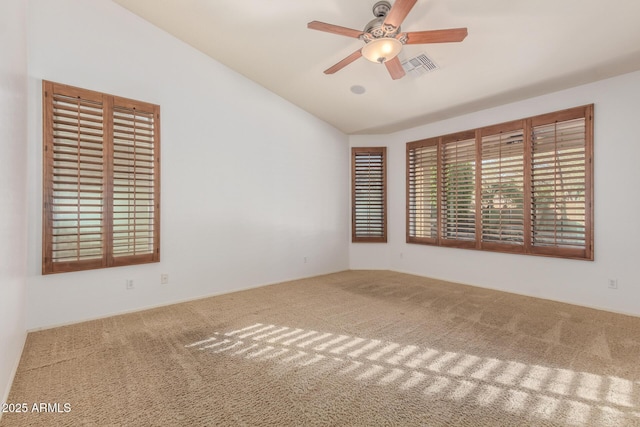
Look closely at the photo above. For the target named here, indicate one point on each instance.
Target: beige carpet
(349, 349)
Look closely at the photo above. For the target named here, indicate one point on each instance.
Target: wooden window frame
(109, 137)
(527, 125)
(355, 238)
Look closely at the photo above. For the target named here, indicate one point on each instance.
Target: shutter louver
(502, 176)
(133, 182)
(369, 195)
(458, 190)
(74, 182)
(559, 184)
(422, 193)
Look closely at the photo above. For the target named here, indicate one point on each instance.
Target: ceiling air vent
(419, 65)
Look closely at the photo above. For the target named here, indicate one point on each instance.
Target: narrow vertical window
(101, 180)
(369, 194)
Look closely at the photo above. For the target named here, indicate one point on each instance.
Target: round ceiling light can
(358, 90)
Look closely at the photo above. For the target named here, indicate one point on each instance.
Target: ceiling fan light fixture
(382, 49)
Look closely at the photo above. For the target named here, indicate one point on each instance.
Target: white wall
(617, 231)
(250, 183)
(13, 187)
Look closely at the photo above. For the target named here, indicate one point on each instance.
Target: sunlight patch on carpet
(516, 387)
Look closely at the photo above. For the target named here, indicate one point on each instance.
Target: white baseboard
(610, 310)
(180, 301)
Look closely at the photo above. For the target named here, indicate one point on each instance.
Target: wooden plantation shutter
(369, 194)
(422, 191)
(458, 190)
(93, 182)
(561, 183)
(135, 192)
(523, 187)
(502, 185)
(74, 180)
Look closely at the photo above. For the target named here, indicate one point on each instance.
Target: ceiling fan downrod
(381, 8)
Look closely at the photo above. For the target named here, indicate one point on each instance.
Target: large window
(101, 198)
(369, 194)
(521, 187)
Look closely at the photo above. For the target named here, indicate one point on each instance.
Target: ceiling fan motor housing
(376, 29)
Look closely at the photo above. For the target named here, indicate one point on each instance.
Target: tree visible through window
(522, 187)
(101, 180)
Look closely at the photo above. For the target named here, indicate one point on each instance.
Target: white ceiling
(515, 49)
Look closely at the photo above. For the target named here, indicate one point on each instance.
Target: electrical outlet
(305, 260)
(164, 279)
(613, 284)
(129, 284)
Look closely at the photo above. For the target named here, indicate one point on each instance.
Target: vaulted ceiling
(514, 50)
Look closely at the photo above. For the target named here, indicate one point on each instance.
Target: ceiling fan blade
(395, 68)
(346, 61)
(398, 12)
(437, 36)
(334, 29)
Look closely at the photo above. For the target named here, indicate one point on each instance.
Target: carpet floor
(357, 348)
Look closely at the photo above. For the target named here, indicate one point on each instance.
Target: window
(520, 187)
(369, 194)
(458, 198)
(502, 186)
(101, 205)
(422, 191)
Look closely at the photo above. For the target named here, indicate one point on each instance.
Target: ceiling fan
(384, 39)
